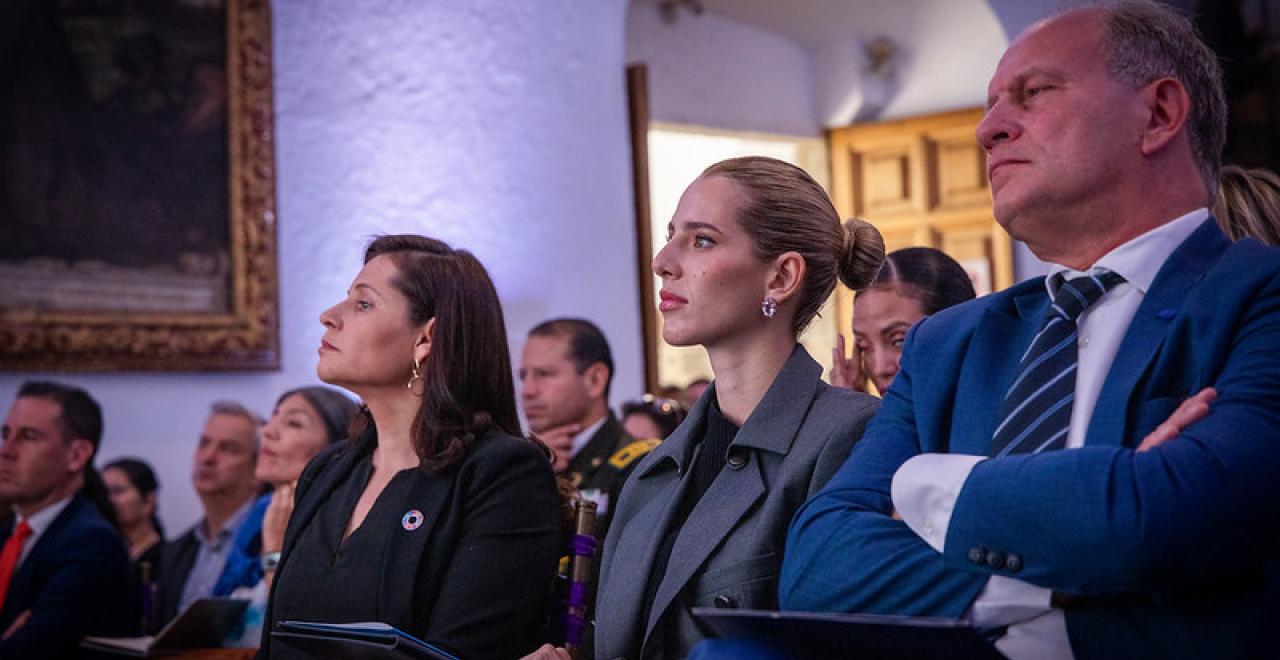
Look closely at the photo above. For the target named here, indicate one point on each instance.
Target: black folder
(203, 625)
(862, 636)
(369, 640)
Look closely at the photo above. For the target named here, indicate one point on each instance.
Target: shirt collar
(584, 436)
(42, 519)
(1140, 259)
(228, 528)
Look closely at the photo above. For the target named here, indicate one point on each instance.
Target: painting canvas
(137, 226)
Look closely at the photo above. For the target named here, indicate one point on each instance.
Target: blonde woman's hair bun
(863, 254)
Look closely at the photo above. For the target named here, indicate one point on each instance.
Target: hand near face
(847, 372)
(276, 518)
(560, 440)
(1189, 412)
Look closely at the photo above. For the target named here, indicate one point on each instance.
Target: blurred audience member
(219, 553)
(1249, 204)
(913, 283)
(566, 369)
(304, 421)
(689, 395)
(651, 417)
(64, 570)
(132, 487)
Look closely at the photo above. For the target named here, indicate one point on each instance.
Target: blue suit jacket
(76, 581)
(1171, 549)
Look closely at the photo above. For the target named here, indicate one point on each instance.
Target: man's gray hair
(236, 410)
(1147, 41)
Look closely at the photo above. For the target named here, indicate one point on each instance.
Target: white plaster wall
(500, 127)
(712, 71)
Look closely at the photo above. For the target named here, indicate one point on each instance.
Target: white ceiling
(815, 23)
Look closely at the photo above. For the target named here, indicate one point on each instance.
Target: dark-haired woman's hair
(785, 210)
(143, 478)
(665, 413)
(336, 409)
(927, 275)
(469, 388)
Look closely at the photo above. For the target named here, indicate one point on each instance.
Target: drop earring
(769, 307)
(416, 384)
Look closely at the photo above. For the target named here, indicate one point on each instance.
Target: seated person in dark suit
(220, 553)
(64, 571)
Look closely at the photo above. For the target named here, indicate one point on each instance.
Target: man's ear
(786, 277)
(596, 377)
(1169, 108)
(423, 343)
(79, 452)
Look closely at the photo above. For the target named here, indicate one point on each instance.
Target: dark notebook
(862, 636)
(360, 641)
(203, 625)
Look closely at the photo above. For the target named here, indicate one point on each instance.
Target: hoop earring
(769, 307)
(416, 384)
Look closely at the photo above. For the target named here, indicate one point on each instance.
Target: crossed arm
(1166, 514)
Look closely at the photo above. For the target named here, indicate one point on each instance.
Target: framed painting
(137, 186)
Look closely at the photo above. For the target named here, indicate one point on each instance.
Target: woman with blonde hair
(753, 251)
(1249, 204)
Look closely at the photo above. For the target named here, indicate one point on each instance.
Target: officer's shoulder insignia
(628, 454)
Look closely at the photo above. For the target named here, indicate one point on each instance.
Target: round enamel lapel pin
(412, 520)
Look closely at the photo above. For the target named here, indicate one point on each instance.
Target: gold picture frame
(239, 329)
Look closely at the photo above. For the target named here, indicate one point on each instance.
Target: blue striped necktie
(1037, 408)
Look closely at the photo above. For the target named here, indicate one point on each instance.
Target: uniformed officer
(565, 372)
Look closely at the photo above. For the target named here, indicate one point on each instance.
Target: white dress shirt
(584, 436)
(39, 522)
(925, 488)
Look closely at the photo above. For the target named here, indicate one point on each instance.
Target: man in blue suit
(1005, 478)
(64, 571)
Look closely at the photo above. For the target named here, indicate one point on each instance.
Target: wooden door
(923, 182)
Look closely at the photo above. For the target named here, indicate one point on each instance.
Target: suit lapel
(597, 450)
(1185, 268)
(340, 465)
(988, 371)
(658, 485)
(20, 584)
(427, 496)
(731, 496)
(773, 427)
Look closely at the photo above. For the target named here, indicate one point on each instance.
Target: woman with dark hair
(651, 417)
(132, 489)
(753, 251)
(303, 422)
(437, 518)
(914, 283)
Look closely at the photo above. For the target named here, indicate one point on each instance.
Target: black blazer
(177, 557)
(76, 581)
(476, 578)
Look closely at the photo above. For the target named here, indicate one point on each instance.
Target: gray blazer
(729, 552)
